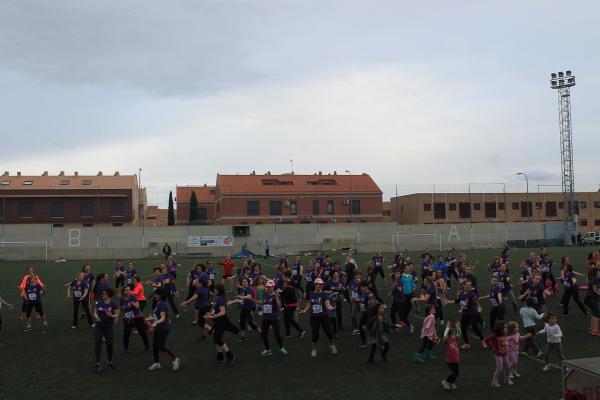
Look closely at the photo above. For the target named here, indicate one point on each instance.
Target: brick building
(206, 196)
(297, 199)
(452, 208)
(156, 216)
(74, 200)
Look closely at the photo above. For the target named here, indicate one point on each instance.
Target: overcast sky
(413, 93)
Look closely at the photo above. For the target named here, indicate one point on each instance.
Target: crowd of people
(322, 288)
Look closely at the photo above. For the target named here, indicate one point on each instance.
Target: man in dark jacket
(166, 250)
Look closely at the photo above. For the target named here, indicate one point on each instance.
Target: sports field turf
(59, 364)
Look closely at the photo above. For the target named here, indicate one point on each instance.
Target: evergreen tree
(171, 215)
(193, 207)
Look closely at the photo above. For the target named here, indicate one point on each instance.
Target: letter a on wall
(453, 233)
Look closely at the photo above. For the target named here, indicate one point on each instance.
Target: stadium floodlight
(563, 84)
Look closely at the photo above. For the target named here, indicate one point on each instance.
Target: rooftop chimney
(61, 173)
(253, 173)
(76, 173)
(6, 173)
(117, 173)
(45, 173)
(268, 172)
(99, 173)
(335, 172)
(205, 185)
(18, 173)
(320, 172)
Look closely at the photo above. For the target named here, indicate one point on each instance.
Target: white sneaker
(154, 367)
(495, 385)
(334, 350)
(517, 375)
(540, 354)
(454, 387)
(446, 385)
(73, 327)
(176, 364)
(313, 354)
(546, 368)
(510, 382)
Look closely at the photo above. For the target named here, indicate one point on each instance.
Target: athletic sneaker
(301, 336)
(495, 384)
(546, 368)
(334, 350)
(287, 337)
(231, 361)
(176, 364)
(364, 345)
(45, 325)
(412, 329)
(176, 316)
(98, 368)
(194, 322)
(111, 365)
(453, 386)
(313, 354)
(430, 356)
(418, 359)
(446, 385)
(517, 375)
(283, 351)
(265, 353)
(595, 332)
(241, 339)
(73, 327)
(154, 367)
(510, 382)
(540, 354)
(355, 332)
(524, 353)
(28, 328)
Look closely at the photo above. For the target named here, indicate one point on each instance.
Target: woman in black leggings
(289, 299)
(222, 325)
(319, 307)
(271, 306)
(469, 308)
(106, 313)
(132, 318)
(161, 326)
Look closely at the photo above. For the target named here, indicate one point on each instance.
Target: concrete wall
(125, 242)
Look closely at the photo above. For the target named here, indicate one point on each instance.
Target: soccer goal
(24, 250)
(417, 242)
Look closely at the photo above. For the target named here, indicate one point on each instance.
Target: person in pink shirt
(512, 348)
(451, 337)
(428, 335)
(496, 341)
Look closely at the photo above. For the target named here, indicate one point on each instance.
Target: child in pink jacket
(428, 335)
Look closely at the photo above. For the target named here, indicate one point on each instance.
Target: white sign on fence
(210, 241)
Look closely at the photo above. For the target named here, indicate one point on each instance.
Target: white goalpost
(24, 250)
(417, 242)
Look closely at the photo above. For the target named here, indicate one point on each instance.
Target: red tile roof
(204, 194)
(68, 182)
(296, 184)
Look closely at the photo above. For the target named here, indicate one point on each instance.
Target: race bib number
(463, 304)
(77, 293)
(493, 302)
(129, 315)
(308, 278)
(267, 308)
(545, 268)
(211, 277)
(377, 264)
(294, 272)
(130, 281)
(363, 308)
(355, 296)
(317, 309)
(32, 296)
(567, 284)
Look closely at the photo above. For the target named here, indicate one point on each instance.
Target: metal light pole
(350, 205)
(562, 81)
(292, 162)
(527, 198)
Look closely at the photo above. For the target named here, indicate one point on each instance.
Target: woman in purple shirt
(222, 325)
(132, 318)
(106, 313)
(78, 289)
(161, 326)
(271, 306)
(32, 295)
(319, 306)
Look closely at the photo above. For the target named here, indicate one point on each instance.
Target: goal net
(26, 251)
(417, 242)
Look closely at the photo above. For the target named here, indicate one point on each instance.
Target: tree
(193, 207)
(171, 215)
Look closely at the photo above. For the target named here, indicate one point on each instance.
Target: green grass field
(60, 364)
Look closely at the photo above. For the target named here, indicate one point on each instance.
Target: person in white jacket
(553, 340)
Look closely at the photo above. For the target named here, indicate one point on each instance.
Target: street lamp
(350, 202)
(527, 198)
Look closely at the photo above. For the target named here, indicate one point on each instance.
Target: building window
(551, 209)
(57, 209)
(293, 208)
(252, 208)
(86, 182)
(315, 207)
(490, 210)
(88, 225)
(439, 210)
(597, 222)
(583, 222)
(526, 210)
(427, 207)
(583, 204)
(355, 205)
(275, 208)
(64, 182)
(538, 205)
(501, 206)
(1, 208)
(117, 224)
(452, 206)
(476, 206)
(86, 209)
(464, 210)
(25, 209)
(597, 204)
(561, 205)
(515, 206)
(202, 213)
(329, 207)
(58, 225)
(117, 208)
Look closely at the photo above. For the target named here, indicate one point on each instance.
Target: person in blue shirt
(161, 325)
(106, 313)
(441, 266)
(399, 303)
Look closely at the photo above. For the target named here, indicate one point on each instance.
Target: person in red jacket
(228, 272)
(26, 278)
(496, 341)
(451, 337)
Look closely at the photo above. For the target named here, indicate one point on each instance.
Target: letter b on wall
(74, 237)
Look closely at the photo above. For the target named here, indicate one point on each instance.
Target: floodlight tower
(562, 81)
